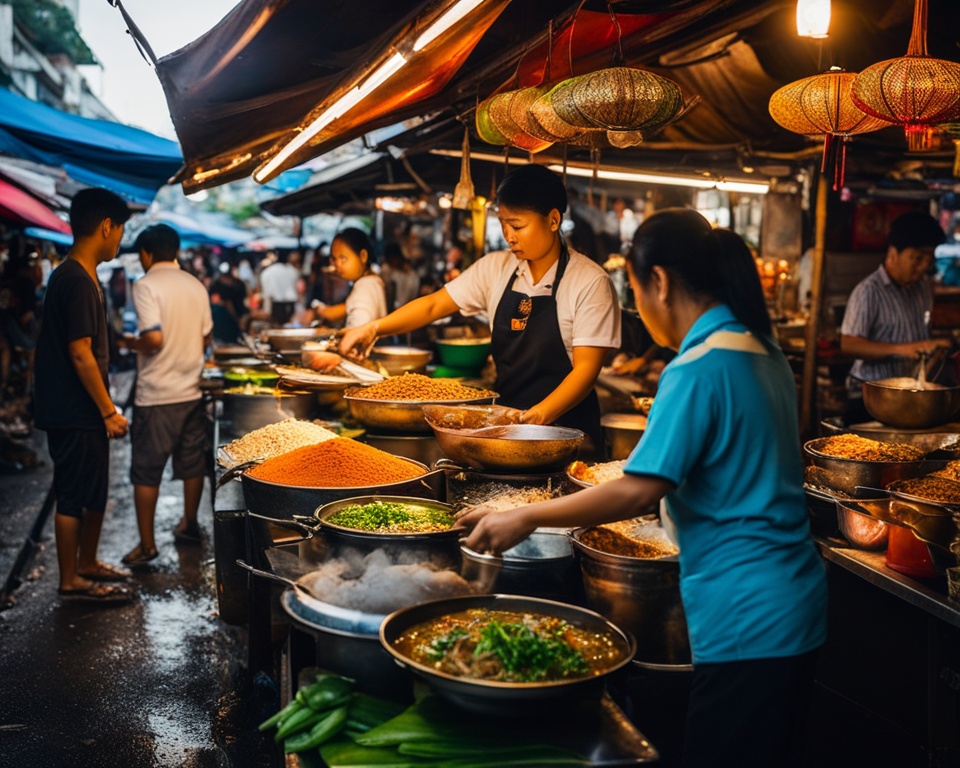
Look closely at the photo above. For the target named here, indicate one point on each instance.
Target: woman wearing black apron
(553, 313)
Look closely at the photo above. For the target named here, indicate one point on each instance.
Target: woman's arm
(409, 317)
(587, 362)
(626, 497)
(332, 313)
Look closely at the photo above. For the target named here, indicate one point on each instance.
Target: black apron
(531, 358)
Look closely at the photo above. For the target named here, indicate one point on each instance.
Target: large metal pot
(847, 475)
(396, 415)
(244, 413)
(897, 403)
(542, 565)
(642, 596)
(499, 698)
(622, 432)
(355, 652)
(283, 502)
(510, 447)
(422, 448)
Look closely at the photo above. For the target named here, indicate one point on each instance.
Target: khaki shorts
(157, 432)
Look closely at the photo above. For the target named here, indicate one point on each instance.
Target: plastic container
(908, 555)
(464, 354)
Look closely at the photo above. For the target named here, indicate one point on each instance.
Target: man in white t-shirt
(278, 282)
(175, 327)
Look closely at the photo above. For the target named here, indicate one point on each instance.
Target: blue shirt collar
(710, 321)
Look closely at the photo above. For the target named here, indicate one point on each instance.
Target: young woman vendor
(721, 445)
(350, 255)
(553, 313)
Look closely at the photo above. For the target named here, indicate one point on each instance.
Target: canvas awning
(22, 208)
(131, 162)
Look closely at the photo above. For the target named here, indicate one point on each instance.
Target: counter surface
(929, 595)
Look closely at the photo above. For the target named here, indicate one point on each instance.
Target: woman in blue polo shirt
(722, 446)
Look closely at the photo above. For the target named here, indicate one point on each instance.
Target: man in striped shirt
(887, 319)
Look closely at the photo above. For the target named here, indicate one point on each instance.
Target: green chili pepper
(329, 691)
(300, 720)
(326, 728)
(281, 715)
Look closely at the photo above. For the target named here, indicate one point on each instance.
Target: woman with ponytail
(722, 446)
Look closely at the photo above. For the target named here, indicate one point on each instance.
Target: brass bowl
(889, 402)
(398, 415)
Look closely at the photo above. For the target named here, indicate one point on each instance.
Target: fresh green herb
(392, 517)
(530, 656)
(440, 645)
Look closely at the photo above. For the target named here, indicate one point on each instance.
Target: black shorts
(81, 466)
(158, 432)
(751, 714)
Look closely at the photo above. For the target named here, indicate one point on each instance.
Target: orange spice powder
(337, 463)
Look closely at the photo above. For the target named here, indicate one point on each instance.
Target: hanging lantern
(822, 105)
(813, 18)
(915, 91)
(519, 110)
(546, 117)
(617, 99)
(496, 126)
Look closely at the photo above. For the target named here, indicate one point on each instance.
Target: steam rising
(380, 583)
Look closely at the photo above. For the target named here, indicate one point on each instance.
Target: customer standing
(721, 445)
(175, 323)
(886, 324)
(73, 403)
(278, 283)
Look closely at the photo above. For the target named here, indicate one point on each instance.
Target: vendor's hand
(632, 367)
(926, 347)
(117, 426)
(356, 342)
(319, 360)
(533, 416)
(494, 531)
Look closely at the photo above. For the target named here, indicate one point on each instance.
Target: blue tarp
(131, 162)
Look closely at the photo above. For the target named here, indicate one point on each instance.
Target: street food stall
(537, 82)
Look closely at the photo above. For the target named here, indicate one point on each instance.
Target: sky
(126, 83)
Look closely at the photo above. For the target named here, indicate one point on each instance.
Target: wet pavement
(157, 682)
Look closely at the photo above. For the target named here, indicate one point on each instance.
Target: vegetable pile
(348, 729)
(392, 517)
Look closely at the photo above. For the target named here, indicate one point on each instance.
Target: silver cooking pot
(245, 413)
(847, 475)
(890, 402)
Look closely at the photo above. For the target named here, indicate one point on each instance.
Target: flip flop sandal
(188, 535)
(139, 556)
(106, 573)
(97, 593)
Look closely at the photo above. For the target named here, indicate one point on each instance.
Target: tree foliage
(51, 29)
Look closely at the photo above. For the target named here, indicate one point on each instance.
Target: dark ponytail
(710, 264)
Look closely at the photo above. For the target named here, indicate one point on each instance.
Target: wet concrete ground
(158, 682)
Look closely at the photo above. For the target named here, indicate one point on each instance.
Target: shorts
(158, 432)
(81, 467)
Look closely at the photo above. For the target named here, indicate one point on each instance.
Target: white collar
(523, 269)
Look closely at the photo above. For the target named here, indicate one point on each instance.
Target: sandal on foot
(97, 593)
(139, 556)
(106, 572)
(188, 535)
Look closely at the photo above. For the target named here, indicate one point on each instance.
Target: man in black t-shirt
(73, 403)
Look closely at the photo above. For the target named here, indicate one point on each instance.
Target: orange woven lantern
(915, 91)
(822, 105)
(617, 99)
(494, 121)
(550, 122)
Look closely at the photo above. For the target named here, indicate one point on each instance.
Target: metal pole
(808, 382)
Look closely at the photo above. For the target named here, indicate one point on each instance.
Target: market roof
(131, 162)
(255, 77)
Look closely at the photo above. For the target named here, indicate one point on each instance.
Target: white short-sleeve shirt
(367, 301)
(175, 303)
(588, 310)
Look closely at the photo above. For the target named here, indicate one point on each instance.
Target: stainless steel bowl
(490, 697)
(398, 360)
(292, 339)
(397, 415)
(889, 402)
(511, 447)
(243, 413)
(847, 474)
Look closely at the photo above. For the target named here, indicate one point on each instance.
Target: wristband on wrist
(109, 415)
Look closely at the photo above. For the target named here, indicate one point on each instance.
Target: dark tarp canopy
(131, 162)
(254, 77)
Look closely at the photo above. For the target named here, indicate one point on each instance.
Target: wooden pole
(808, 382)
